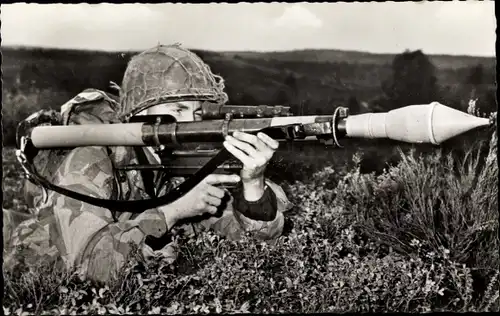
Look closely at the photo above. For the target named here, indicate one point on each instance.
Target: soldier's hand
(254, 152)
(204, 198)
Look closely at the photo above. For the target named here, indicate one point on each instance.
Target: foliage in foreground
(422, 236)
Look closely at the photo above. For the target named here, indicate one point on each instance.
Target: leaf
(101, 292)
(244, 307)
(112, 308)
(155, 310)
(205, 309)
(63, 289)
(173, 308)
(218, 306)
(139, 278)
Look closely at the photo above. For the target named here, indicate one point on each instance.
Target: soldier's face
(186, 111)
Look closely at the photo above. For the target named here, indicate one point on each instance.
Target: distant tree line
(413, 80)
(308, 87)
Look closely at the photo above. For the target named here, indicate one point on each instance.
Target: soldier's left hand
(254, 152)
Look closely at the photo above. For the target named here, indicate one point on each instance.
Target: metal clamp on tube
(156, 138)
(160, 134)
(340, 113)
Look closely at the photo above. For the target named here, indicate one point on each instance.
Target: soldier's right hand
(204, 198)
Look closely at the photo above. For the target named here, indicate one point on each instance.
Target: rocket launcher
(195, 148)
(427, 123)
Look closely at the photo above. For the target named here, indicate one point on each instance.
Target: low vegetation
(376, 228)
(420, 236)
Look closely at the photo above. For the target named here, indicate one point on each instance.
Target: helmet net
(167, 74)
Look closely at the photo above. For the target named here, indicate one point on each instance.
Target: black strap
(133, 206)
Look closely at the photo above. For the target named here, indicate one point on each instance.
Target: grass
(376, 227)
(419, 236)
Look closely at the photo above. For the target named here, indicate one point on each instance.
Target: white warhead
(422, 123)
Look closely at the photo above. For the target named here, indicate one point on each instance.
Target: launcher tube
(88, 135)
(151, 134)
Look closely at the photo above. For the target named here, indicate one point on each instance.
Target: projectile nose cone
(448, 122)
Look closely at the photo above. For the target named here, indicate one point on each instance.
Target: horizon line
(246, 51)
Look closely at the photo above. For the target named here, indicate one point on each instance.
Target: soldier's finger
(211, 209)
(222, 178)
(268, 141)
(252, 139)
(212, 200)
(249, 138)
(215, 191)
(244, 158)
(246, 147)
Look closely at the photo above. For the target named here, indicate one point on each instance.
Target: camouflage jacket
(93, 239)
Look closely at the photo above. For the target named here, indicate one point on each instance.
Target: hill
(250, 76)
(357, 57)
(311, 81)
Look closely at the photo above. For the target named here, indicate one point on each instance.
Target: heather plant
(427, 205)
(421, 236)
(322, 265)
(407, 240)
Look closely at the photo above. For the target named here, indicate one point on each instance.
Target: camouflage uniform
(92, 238)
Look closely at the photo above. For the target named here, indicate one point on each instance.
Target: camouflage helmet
(164, 74)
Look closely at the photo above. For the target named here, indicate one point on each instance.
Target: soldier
(95, 240)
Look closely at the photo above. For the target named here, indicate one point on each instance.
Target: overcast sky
(458, 28)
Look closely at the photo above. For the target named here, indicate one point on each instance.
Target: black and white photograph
(254, 158)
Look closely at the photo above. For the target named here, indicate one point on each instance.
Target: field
(377, 226)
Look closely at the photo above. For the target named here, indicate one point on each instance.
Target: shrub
(420, 236)
(12, 184)
(322, 265)
(430, 204)
(303, 272)
(17, 105)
